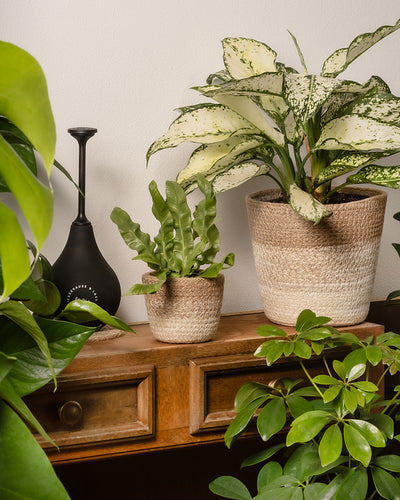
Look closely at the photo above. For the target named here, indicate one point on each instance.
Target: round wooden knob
(70, 413)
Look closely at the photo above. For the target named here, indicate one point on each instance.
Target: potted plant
(35, 344)
(341, 430)
(184, 291)
(304, 131)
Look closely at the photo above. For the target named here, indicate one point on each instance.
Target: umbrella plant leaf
(341, 58)
(272, 418)
(271, 331)
(230, 487)
(242, 419)
(372, 434)
(268, 473)
(262, 455)
(385, 484)
(357, 445)
(330, 446)
(250, 392)
(388, 462)
(307, 426)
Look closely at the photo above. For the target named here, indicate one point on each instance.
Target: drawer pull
(70, 413)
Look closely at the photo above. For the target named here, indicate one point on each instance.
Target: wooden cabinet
(133, 394)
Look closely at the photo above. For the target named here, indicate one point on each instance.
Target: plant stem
(310, 379)
(390, 402)
(327, 366)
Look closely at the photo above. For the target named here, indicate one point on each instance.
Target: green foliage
(35, 344)
(303, 130)
(338, 425)
(185, 243)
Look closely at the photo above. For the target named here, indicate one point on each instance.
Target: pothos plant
(303, 130)
(36, 343)
(186, 244)
(339, 427)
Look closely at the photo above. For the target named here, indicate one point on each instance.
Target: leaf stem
(310, 379)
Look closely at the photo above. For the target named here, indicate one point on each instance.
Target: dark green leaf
(6, 363)
(262, 455)
(272, 418)
(385, 484)
(298, 405)
(21, 452)
(28, 290)
(314, 491)
(242, 419)
(384, 423)
(51, 303)
(272, 350)
(357, 445)
(230, 487)
(249, 392)
(303, 463)
(388, 462)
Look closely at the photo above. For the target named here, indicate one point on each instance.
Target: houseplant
(341, 429)
(304, 131)
(184, 290)
(35, 344)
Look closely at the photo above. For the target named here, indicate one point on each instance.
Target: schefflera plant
(303, 130)
(186, 244)
(339, 426)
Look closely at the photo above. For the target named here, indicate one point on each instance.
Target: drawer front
(97, 406)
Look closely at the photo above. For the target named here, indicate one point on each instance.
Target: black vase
(81, 272)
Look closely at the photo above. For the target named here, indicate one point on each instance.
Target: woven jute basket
(328, 268)
(185, 310)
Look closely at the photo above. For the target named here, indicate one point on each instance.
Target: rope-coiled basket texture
(186, 309)
(328, 268)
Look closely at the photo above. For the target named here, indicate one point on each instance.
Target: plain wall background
(123, 66)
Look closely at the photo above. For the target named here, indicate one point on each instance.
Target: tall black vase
(81, 272)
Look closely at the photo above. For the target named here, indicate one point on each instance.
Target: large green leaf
(242, 419)
(203, 123)
(21, 316)
(30, 370)
(250, 392)
(272, 418)
(13, 252)
(24, 99)
(372, 434)
(268, 473)
(25, 471)
(351, 484)
(389, 462)
(385, 484)
(307, 426)
(341, 58)
(330, 446)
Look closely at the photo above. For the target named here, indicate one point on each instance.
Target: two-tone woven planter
(185, 310)
(328, 268)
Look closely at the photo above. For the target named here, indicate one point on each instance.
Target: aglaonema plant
(186, 244)
(332, 432)
(303, 130)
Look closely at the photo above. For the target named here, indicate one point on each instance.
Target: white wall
(123, 66)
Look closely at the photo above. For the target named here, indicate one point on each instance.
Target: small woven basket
(185, 310)
(328, 268)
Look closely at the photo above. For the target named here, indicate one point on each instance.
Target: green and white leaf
(347, 163)
(306, 205)
(307, 93)
(244, 57)
(375, 174)
(203, 123)
(341, 58)
(259, 85)
(237, 175)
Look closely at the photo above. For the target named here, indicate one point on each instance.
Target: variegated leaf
(238, 174)
(384, 108)
(244, 57)
(218, 155)
(205, 123)
(307, 93)
(306, 205)
(347, 163)
(249, 110)
(341, 58)
(352, 132)
(376, 174)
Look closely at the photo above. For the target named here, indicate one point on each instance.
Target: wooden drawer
(97, 406)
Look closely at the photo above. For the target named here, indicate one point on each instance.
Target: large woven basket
(328, 268)
(185, 310)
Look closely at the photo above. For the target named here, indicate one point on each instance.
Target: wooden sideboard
(135, 395)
